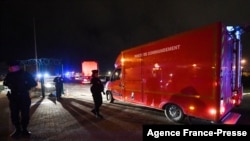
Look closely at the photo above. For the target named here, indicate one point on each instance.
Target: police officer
(19, 82)
(96, 90)
(59, 86)
(42, 86)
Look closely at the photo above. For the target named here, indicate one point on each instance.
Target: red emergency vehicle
(87, 67)
(192, 74)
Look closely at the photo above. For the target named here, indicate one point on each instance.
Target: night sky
(78, 30)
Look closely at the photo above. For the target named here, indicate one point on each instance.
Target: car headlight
(48, 85)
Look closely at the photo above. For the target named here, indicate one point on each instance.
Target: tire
(109, 97)
(174, 113)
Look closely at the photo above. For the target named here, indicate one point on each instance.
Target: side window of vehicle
(116, 75)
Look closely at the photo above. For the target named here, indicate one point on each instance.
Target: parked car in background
(48, 82)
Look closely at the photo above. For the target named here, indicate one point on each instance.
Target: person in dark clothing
(42, 86)
(19, 82)
(96, 90)
(59, 86)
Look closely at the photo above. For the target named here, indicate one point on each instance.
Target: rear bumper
(231, 118)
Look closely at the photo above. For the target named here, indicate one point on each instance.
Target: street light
(109, 73)
(35, 46)
(243, 67)
(243, 62)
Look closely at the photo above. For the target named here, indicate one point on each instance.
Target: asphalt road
(244, 110)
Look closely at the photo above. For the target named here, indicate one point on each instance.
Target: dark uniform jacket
(19, 82)
(97, 86)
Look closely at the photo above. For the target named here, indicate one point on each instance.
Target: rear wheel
(174, 113)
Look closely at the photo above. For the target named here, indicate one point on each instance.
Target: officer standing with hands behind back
(19, 82)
